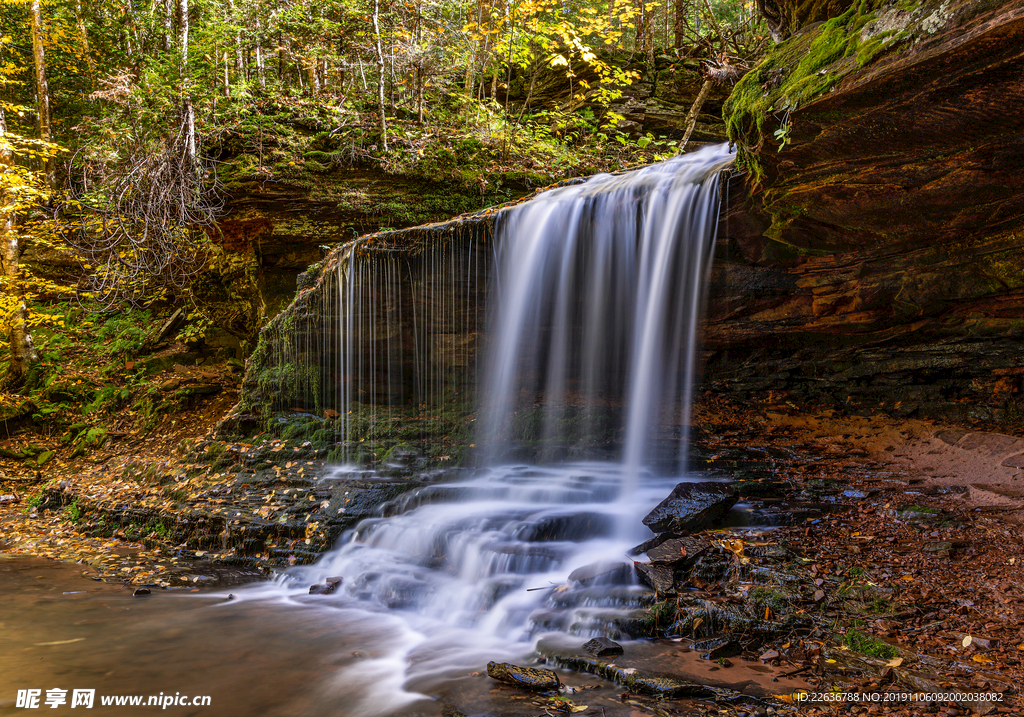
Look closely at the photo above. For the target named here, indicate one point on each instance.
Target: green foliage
(73, 513)
(868, 645)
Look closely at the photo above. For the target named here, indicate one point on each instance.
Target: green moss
(868, 645)
(797, 72)
(762, 597)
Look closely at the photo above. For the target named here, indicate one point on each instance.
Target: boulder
(659, 577)
(530, 678)
(602, 647)
(692, 507)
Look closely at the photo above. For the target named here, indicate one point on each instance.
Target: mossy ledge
(818, 58)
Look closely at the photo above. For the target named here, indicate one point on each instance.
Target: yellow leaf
(982, 660)
(894, 662)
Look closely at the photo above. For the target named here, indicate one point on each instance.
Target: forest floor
(915, 565)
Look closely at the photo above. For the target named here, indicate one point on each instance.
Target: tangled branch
(142, 230)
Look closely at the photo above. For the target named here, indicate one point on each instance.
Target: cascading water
(596, 307)
(595, 295)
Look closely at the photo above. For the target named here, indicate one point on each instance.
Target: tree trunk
(419, 63)
(261, 72)
(419, 90)
(84, 35)
(649, 42)
(42, 89)
(479, 49)
(679, 24)
(380, 75)
(227, 76)
(188, 115)
(691, 117)
(280, 59)
(24, 357)
(168, 21)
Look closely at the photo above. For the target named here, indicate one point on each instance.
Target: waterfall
(587, 365)
(595, 311)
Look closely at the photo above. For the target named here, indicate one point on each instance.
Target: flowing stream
(591, 343)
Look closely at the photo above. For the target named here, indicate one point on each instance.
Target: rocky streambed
(839, 565)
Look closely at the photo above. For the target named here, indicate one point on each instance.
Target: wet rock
(603, 647)
(769, 655)
(637, 681)
(691, 507)
(139, 592)
(615, 623)
(328, 587)
(530, 678)
(603, 572)
(659, 577)
(10, 498)
(677, 550)
(717, 647)
(572, 527)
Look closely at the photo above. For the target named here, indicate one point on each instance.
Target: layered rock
(875, 257)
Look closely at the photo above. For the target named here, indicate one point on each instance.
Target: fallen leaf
(966, 642)
(896, 662)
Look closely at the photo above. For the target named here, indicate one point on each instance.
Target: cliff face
(874, 260)
(876, 257)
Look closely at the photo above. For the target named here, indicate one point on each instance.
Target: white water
(598, 291)
(597, 302)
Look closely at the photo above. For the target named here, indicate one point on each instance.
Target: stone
(1016, 461)
(139, 592)
(323, 588)
(604, 572)
(692, 507)
(942, 548)
(603, 647)
(717, 647)
(9, 499)
(170, 384)
(677, 550)
(769, 655)
(638, 681)
(531, 678)
(659, 577)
